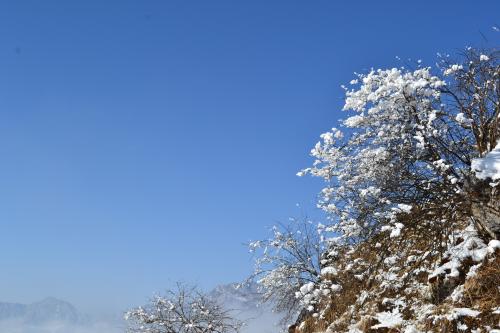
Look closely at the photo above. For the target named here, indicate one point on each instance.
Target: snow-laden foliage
(184, 310)
(408, 141)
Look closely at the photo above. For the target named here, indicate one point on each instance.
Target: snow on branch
(182, 310)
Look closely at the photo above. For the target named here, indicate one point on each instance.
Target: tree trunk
(485, 207)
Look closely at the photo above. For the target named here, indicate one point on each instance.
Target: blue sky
(143, 142)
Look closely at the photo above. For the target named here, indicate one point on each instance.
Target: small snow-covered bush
(183, 310)
(288, 266)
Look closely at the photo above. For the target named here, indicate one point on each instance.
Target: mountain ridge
(46, 310)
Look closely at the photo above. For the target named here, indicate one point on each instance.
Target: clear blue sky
(142, 142)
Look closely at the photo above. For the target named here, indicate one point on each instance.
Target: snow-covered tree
(183, 310)
(286, 262)
(412, 193)
(408, 143)
(412, 197)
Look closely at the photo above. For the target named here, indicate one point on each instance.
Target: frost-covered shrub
(287, 263)
(183, 310)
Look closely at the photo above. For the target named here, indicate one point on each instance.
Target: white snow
(329, 271)
(388, 320)
(452, 69)
(472, 248)
(465, 312)
(488, 166)
(484, 57)
(405, 208)
(493, 245)
(462, 119)
(396, 231)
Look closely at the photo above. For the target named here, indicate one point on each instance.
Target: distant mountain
(244, 296)
(246, 305)
(52, 309)
(47, 310)
(51, 315)
(12, 310)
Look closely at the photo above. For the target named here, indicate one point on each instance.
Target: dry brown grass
(339, 308)
(482, 291)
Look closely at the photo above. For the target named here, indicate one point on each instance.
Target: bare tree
(287, 261)
(182, 310)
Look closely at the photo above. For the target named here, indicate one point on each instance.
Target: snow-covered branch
(183, 310)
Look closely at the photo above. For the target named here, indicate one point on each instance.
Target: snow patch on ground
(388, 320)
